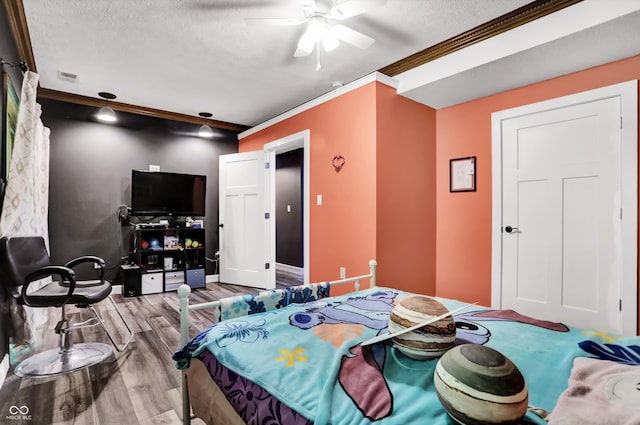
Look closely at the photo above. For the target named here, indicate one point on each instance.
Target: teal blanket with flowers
(308, 357)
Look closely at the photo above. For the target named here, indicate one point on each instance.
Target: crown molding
(499, 25)
(20, 31)
(133, 109)
(363, 81)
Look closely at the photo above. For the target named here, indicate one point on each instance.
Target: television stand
(167, 257)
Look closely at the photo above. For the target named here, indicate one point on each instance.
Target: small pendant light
(105, 113)
(205, 130)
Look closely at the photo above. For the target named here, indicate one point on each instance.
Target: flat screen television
(172, 194)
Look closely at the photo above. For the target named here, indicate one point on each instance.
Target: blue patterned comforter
(308, 357)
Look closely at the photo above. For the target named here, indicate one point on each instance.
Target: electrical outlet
(154, 168)
(343, 272)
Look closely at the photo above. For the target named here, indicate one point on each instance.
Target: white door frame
(628, 94)
(286, 144)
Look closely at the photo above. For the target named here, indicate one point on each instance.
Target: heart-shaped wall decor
(338, 162)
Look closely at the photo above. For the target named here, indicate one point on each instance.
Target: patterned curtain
(26, 200)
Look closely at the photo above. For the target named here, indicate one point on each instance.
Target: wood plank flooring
(140, 386)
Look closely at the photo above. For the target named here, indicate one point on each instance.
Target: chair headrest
(19, 256)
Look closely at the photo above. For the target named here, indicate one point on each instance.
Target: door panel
(573, 141)
(246, 256)
(533, 268)
(580, 268)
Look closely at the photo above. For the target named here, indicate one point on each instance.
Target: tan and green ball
(427, 342)
(479, 385)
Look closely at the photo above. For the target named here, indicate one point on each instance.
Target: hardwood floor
(288, 275)
(139, 386)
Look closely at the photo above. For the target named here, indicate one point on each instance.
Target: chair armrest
(65, 273)
(88, 259)
(85, 259)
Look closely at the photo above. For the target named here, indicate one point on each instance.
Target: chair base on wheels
(56, 361)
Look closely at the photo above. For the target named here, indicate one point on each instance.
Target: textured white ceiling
(189, 56)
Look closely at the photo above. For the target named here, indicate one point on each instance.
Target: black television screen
(160, 193)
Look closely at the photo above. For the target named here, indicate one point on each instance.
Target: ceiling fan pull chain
(318, 56)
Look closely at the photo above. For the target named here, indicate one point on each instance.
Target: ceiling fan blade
(275, 21)
(300, 52)
(309, 6)
(353, 7)
(352, 37)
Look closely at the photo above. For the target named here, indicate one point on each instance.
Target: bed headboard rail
(371, 276)
(184, 291)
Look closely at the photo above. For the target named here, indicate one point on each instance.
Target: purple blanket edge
(253, 403)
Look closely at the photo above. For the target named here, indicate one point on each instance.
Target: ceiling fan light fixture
(330, 42)
(318, 31)
(307, 42)
(317, 15)
(316, 28)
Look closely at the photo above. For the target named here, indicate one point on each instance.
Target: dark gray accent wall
(289, 231)
(9, 53)
(90, 177)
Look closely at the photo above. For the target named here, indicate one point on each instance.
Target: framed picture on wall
(10, 105)
(462, 174)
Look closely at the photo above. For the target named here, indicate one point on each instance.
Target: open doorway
(292, 252)
(289, 218)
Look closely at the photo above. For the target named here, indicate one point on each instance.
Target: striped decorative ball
(479, 385)
(429, 341)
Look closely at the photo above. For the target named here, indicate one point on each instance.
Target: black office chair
(25, 260)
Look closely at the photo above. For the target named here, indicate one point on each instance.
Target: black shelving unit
(169, 257)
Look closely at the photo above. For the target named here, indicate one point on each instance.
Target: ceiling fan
(321, 30)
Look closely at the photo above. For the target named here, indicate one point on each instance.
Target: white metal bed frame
(185, 290)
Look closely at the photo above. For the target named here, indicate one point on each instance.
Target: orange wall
(463, 242)
(342, 229)
(380, 205)
(373, 207)
(406, 227)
